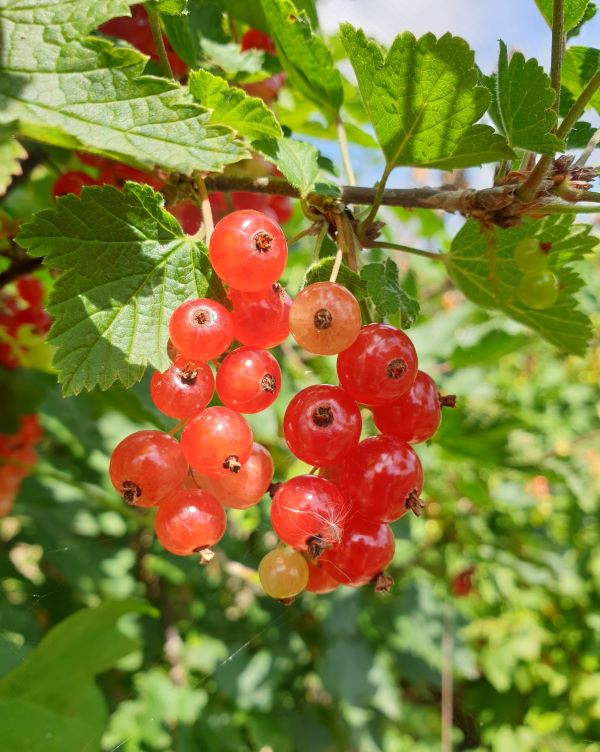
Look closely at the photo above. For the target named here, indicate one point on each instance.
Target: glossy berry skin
(147, 466)
(325, 318)
(254, 39)
(31, 290)
(282, 207)
(184, 389)
(319, 580)
(201, 329)
(321, 425)
(71, 182)
(538, 291)
(382, 478)
(379, 367)
(530, 256)
(415, 416)
(366, 548)
(462, 584)
(188, 521)
(188, 215)
(248, 380)
(248, 250)
(309, 513)
(283, 573)
(245, 488)
(261, 319)
(217, 442)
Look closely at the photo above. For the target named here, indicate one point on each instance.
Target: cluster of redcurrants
(17, 457)
(538, 287)
(334, 524)
(22, 317)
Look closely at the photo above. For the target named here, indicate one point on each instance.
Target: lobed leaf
(388, 297)
(83, 92)
(423, 100)
(574, 11)
(11, 154)
(579, 66)
(297, 160)
(127, 265)
(481, 264)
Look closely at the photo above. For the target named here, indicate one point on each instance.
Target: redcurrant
(248, 380)
(325, 318)
(319, 579)
(71, 182)
(248, 250)
(383, 478)
(245, 488)
(309, 513)
(188, 215)
(146, 466)
(379, 367)
(184, 389)
(261, 319)
(201, 329)
(189, 521)
(31, 290)
(283, 573)
(321, 425)
(217, 441)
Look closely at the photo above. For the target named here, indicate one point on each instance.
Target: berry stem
(205, 208)
(319, 241)
(344, 150)
(154, 22)
(408, 249)
(378, 199)
(178, 427)
(336, 264)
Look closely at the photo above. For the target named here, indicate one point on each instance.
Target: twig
(154, 21)
(344, 150)
(205, 208)
(587, 152)
(17, 269)
(407, 249)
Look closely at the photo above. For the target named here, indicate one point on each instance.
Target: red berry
(217, 442)
(267, 89)
(415, 416)
(245, 488)
(31, 290)
(321, 425)
(319, 579)
(188, 214)
(201, 329)
(188, 521)
(254, 39)
(184, 389)
(325, 318)
(248, 250)
(366, 548)
(71, 182)
(146, 466)
(93, 160)
(248, 380)
(379, 367)
(282, 206)
(309, 513)
(261, 319)
(118, 174)
(383, 478)
(462, 584)
(246, 200)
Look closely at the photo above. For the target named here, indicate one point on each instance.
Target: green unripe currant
(538, 291)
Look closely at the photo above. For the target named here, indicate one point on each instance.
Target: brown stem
(18, 268)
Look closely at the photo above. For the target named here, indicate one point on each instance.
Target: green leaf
(127, 265)
(252, 13)
(297, 160)
(85, 92)
(590, 13)
(204, 20)
(303, 55)
(489, 349)
(573, 13)
(423, 99)
(21, 390)
(580, 135)
(524, 98)
(321, 270)
(11, 154)
(231, 60)
(383, 287)
(171, 7)
(490, 278)
(579, 65)
(247, 116)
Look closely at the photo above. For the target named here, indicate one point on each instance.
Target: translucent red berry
(462, 584)
(31, 290)
(217, 441)
(184, 389)
(189, 521)
(245, 488)
(187, 213)
(319, 579)
(261, 319)
(248, 250)
(282, 206)
(415, 416)
(321, 425)
(325, 318)
(309, 513)
(146, 466)
(254, 39)
(283, 573)
(379, 367)
(248, 380)
(71, 182)
(201, 329)
(383, 478)
(366, 548)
